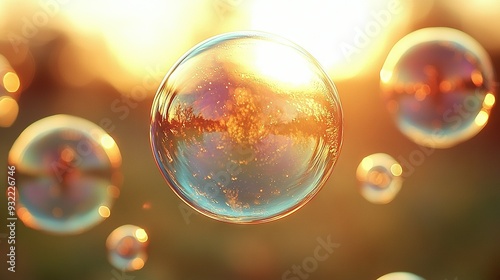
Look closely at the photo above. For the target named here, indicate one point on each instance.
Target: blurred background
(104, 60)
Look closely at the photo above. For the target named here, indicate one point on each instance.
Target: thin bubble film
(400, 276)
(127, 247)
(439, 85)
(246, 127)
(67, 172)
(379, 177)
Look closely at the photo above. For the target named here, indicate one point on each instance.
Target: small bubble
(126, 247)
(380, 179)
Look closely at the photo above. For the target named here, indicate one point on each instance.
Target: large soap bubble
(246, 127)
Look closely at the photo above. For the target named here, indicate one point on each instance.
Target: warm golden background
(103, 60)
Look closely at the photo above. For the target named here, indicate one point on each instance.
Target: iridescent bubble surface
(246, 127)
(67, 172)
(379, 176)
(126, 247)
(400, 276)
(439, 85)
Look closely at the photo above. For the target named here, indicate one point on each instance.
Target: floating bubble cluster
(400, 276)
(126, 247)
(246, 127)
(9, 92)
(439, 85)
(67, 174)
(380, 179)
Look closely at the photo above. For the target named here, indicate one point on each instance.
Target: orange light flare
(133, 44)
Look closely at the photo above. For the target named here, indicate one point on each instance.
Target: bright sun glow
(147, 36)
(343, 36)
(275, 62)
(139, 33)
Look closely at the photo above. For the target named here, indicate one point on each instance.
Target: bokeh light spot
(141, 235)
(104, 211)
(11, 82)
(9, 109)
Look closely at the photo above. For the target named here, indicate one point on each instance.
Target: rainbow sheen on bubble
(379, 177)
(400, 276)
(246, 127)
(67, 172)
(127, 247)
(439, 85)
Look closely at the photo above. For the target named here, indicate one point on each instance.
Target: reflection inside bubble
(246, 127)
(126, 247)
(439, 85)
(67, 181)
(379, 176)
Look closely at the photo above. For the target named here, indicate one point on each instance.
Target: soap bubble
(400, 276)
(246, 127)
(380, 179)
(439, 85)
(67, 174)
(126, 247)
